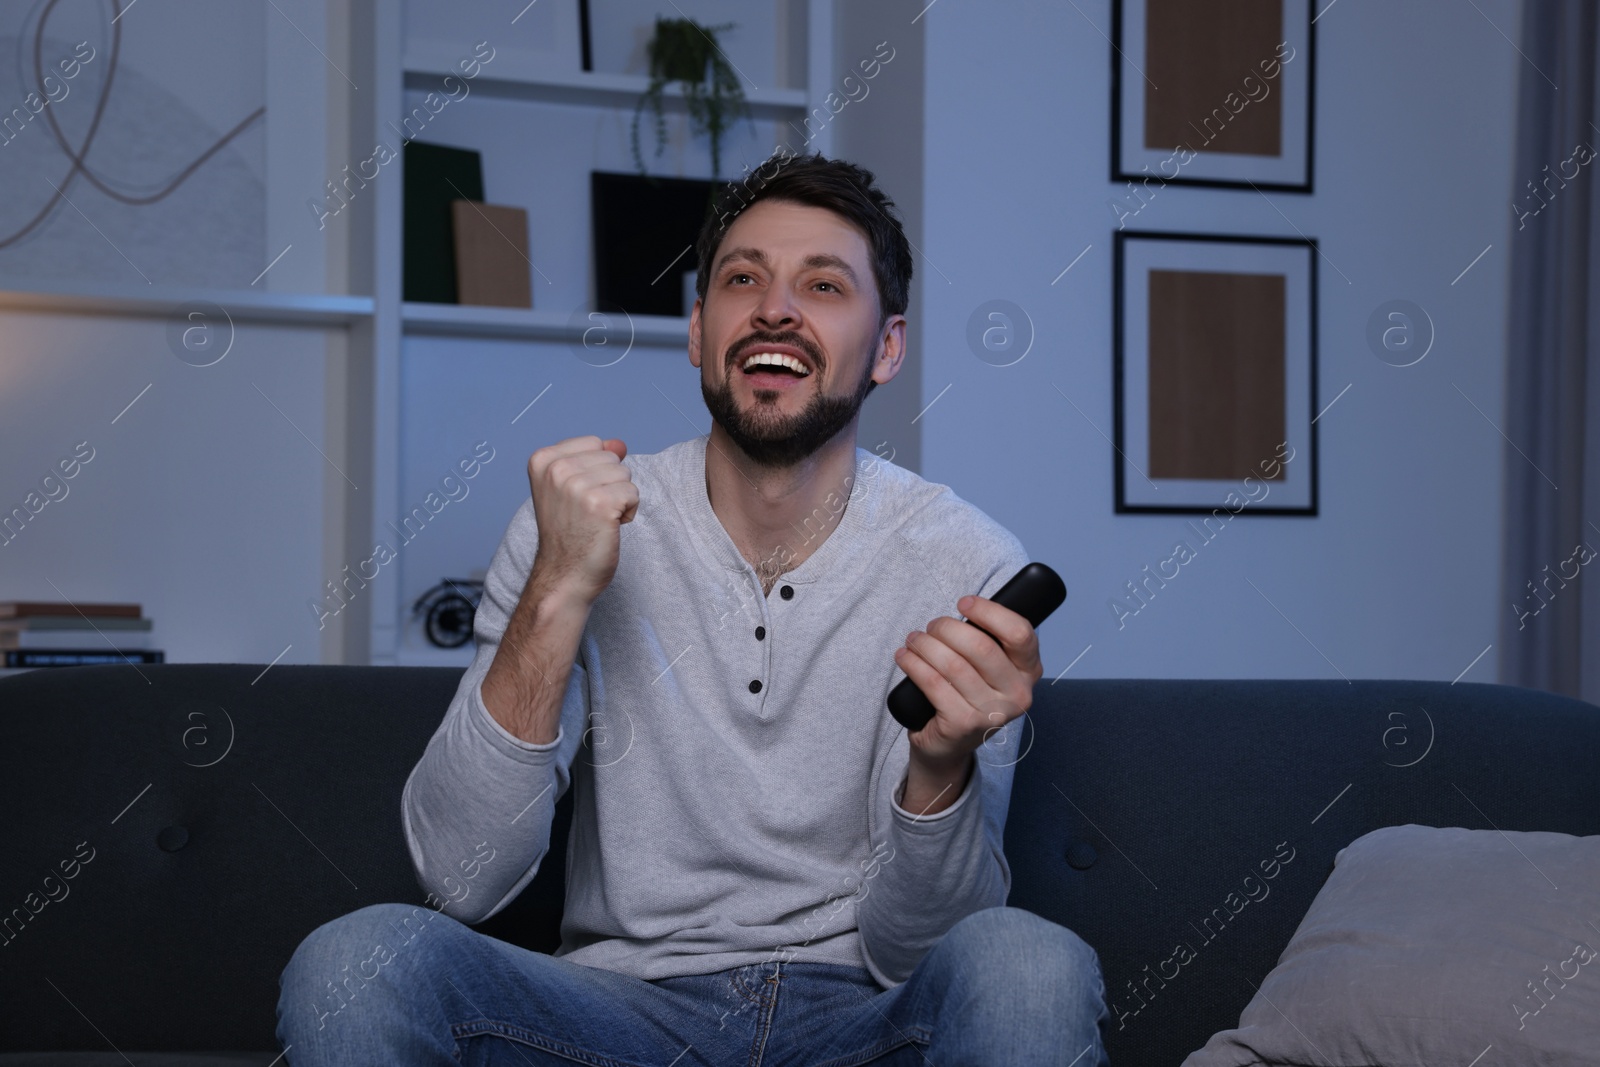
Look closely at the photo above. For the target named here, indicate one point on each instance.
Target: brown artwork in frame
(1214, 374)
(1212, 92)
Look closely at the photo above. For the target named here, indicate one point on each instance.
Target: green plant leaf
(684, 51)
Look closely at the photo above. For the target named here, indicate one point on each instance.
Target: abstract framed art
(1213, 92)
(1214, 373)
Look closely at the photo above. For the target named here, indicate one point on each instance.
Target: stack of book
(47, 633)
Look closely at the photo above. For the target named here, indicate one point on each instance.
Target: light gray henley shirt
(736, 771)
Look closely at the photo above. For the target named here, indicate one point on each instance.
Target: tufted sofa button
(172, 838)
(1081, 855)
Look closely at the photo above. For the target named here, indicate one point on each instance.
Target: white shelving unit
(426, 68)
(460, 320)
(379, 629)
(155, 301)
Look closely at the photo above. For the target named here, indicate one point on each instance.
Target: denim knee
(339, 964)
(997, 943)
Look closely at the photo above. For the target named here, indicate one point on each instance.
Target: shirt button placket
(787, 592)
(766, 657)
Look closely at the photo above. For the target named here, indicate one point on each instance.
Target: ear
(694, 332)
(892, 345)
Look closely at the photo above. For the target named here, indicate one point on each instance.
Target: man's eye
(830, 285)
(736, 277)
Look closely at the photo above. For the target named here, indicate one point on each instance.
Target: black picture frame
(1300, 403)
(585, 45)
(1126, 164)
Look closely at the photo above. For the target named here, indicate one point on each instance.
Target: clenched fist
(582, 494)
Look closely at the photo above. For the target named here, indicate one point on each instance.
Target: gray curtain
(1550, 625)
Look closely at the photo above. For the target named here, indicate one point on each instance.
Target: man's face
(794, 279)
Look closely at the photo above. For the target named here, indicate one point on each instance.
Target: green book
(434, 175)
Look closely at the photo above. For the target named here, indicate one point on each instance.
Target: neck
(777, 517)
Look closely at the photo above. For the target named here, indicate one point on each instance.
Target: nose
(777, 309)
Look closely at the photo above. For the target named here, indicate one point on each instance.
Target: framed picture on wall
(1213, 92)
(1214, 373)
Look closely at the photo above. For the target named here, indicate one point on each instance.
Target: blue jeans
(394, 984)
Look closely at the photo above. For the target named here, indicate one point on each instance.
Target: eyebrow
(816, 259)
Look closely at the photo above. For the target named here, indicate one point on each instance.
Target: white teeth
(777, 359)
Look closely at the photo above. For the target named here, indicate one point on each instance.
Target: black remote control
(1033, 592)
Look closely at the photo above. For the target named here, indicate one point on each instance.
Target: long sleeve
(947, 865)
(478, 806)
(942, 867)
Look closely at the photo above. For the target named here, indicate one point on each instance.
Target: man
(763, 867)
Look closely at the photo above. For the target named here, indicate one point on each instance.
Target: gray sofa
(172, 834)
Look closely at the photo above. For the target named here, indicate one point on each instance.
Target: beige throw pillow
(1472, 948)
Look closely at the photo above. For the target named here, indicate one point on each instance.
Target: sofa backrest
(1189, 794)
(227, 815)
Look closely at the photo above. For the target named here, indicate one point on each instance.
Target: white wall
(1398, 576)
(881, 128)
(203, 501)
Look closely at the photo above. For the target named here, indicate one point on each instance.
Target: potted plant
(684, 51)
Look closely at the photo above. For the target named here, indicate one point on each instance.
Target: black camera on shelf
(448, 609)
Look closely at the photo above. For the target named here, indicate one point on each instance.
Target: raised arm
(478, 806)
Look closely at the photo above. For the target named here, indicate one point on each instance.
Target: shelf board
(529, 324)
(161, 301)
(425, 68)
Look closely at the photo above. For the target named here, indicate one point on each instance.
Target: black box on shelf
(644, 233)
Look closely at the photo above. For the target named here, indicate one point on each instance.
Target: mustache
(793, 340)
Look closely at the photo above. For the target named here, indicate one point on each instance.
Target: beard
(778, 441)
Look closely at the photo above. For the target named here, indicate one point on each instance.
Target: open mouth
(775, 370)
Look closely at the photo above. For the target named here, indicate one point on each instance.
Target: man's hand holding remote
(975, 685)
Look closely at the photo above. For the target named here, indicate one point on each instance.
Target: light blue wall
(1398, 576)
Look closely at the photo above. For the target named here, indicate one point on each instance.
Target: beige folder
(491, 244)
